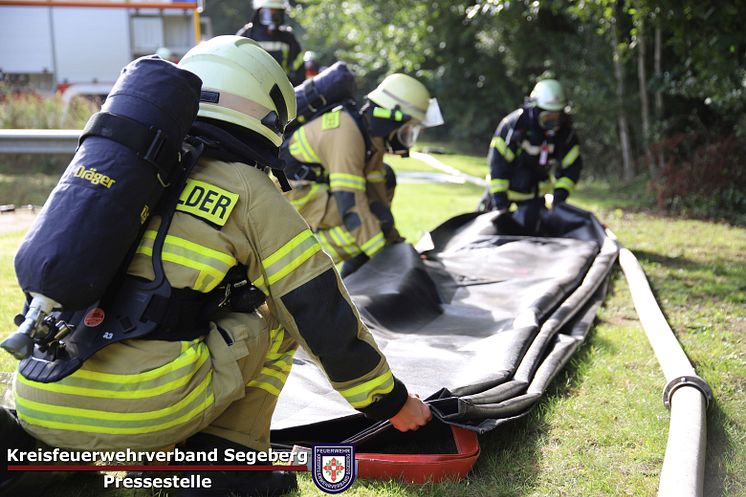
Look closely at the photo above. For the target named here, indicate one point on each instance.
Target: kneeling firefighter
(341, 185)
(535, 151)
(214, 383)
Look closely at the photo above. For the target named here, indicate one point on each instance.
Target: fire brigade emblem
(333, 467)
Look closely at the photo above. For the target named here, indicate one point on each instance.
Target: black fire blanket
(478, 323)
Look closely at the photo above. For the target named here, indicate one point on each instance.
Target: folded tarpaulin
(477, 322)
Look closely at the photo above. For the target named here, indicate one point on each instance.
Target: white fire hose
(686, 394)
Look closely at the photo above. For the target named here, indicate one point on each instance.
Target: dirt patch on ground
(17, 220)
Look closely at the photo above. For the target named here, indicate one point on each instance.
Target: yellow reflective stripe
(300, 239)
(194, 353)
(117, 416)
(284, 362)
(518, 196)
(147, 241)
(327, 247)
(498, 143)
(261, 285)
(290, 256)
(276, 336)
(296, 149)
(344, 240)
(534, 149)
(364, 394)
(566, 183)
(546, 186)
(346, 235)
(301, 202)
(276, 369)
(80, 422)
(267, 371)
(344, 180)
(110, 392)
(285, 57)
(571, 156)
(269, 380)
(266, 386)
(498, 185)
(297, 61)
(308, 154)
(376, 177)
(373, 245)
(193, 256)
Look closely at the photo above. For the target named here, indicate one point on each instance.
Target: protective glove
(505, 224)
(560, 195)
(351, 265)
(500, 201)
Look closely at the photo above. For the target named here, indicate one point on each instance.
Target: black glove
(560, 195)
(351, 265)
(505, 224)
(500, 201)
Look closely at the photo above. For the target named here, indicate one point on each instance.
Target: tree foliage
(481, 57)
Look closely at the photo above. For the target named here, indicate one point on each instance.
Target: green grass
(601, 429)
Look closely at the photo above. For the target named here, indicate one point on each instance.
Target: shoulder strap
(148, 142)
(354, 112)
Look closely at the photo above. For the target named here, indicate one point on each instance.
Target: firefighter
(269, 29)
(535, 151)
(310, 65)
(345, 189)
(219, 390)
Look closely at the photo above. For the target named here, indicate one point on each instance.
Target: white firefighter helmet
(401, 92)
(270, 4)
(242, 84)
(549, 95)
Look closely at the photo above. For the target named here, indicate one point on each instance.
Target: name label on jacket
(207, 201)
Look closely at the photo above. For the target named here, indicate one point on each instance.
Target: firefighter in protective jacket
(219, 390)
(268, 28)
(535, 151)
(344, 190)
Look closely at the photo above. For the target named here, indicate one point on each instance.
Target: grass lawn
(601, 429)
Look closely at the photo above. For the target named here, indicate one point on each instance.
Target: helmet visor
(408, 134)
(550, 119)
(271, 17)
(433, 117)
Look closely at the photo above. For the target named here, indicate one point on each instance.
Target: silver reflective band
(238, 103)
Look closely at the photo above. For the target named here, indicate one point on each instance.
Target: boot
(12, 436)
(235, 483)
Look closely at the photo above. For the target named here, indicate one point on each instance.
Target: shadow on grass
(511, 454)
(720, 448)
(609, 195)
(722, 278)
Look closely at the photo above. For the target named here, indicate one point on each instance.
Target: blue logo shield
(333, 467)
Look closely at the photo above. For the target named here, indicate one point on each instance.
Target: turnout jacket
(527, 161)
(143, 393)
(280, 44)
(347, 200)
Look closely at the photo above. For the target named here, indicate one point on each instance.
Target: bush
(29, 110)
(702, 176)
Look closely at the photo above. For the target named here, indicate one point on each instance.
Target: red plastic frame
(423, 468)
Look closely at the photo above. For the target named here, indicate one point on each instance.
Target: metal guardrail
(38, 141)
